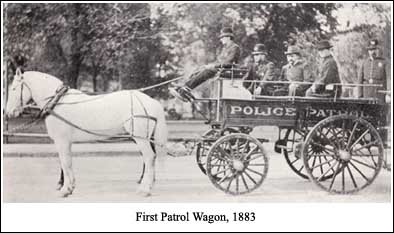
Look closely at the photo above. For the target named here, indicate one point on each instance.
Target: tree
(368, 21)
(62, 39)
(196, 27)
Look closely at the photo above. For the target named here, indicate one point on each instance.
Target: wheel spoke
(237, 183)
(313, 163)
(328, 170)
(224, 178)
(359, 162)
(351, 134)
(374, 143)
(373, 160)
(247, 174)
(229, 183)
(237, 145)
(335, 136)
(321, 164)
(351, 175)
(223, 171)
(362, 174)
(218, 165)
(329, 164)
(257, 164)
(258, 173)
(295, 160)
(335, 175)
(251, 159)
(321, 167)
(246, 146)
(250, 152)
(322, 146)
(358, 139)
(343, 132)
(325, 136)
(244, 181)
(223, 152)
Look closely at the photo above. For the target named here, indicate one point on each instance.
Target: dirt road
(114, 179)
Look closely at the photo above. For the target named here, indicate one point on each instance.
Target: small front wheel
(237, 164)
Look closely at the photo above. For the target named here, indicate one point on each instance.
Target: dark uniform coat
(230, 54)
(372, 71)
(297, 72)
(328, 74)
(264, 71)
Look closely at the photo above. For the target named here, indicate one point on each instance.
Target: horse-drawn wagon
(338, 143)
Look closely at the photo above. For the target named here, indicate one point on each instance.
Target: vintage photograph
(181, 102)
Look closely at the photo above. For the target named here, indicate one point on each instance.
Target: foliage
(108, 39)
(351, 40)
(137, 45)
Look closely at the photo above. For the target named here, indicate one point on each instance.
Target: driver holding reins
(229, 55)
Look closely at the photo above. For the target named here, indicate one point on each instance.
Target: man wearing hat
(327, 74)
(296, 71)
(372, 71)
(229, 55)
(261, 69)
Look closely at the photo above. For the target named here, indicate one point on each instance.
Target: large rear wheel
(347, 149)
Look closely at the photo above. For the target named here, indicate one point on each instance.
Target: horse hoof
(59, 186)
(143, 193)
(63, 194)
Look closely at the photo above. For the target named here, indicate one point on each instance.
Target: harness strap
(145, 116)
(50, 105)
(53, 113)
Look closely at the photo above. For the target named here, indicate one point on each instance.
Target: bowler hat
(293, 50)
(226, 32)
(323, 44)
(373, 44)
(259, 49)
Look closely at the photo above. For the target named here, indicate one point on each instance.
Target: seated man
(230, 54)
(261, 69)
(297, 70)
(328, 74)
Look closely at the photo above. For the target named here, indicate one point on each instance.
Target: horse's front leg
(148, 158)
(64, 150)
(60, 183)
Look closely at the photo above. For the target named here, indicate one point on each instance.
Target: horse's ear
(18, 73)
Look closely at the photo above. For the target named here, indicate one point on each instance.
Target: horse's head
(18, 96)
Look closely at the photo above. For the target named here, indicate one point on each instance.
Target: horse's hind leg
(60, 183)
(148, 157)
(142, 174)
(143, 166)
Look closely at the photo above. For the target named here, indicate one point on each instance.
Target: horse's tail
(160, 134)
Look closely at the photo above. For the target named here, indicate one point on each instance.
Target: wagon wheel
(294, 139)
(203, 147)
(352, 150)
(237, 164)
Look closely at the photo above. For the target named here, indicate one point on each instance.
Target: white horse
(92, 118)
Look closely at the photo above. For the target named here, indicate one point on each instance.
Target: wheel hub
(238, 165)
(344, 155)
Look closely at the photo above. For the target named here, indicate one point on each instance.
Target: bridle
(22, 84)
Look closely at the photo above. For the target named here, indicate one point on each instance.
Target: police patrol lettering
(288, 111)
